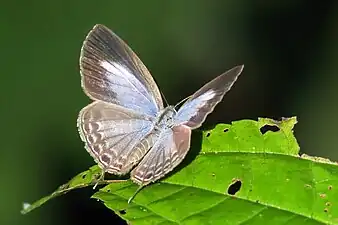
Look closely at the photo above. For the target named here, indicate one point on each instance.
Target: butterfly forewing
(195, 110)
(113, 73)
(168, 151)
(113, 135)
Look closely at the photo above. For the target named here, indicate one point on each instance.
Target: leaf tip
(25, 208)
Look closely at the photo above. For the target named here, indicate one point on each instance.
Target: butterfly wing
(112, 72)
(168, 151)
(195, 109)
(116, 137)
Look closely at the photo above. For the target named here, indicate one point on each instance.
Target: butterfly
(127, 128)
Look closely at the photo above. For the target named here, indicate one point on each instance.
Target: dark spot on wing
(148, 176)
(91, 139)
(234, 187)
(267, 128)
(105, 159)
(96, 149)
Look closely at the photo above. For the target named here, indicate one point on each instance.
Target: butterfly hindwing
(113, 135)
(169, 150)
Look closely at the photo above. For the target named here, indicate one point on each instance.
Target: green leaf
(239, 176)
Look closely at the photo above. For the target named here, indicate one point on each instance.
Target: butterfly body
(165, 118)
(127, 128)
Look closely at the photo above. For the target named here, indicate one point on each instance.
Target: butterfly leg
(99, 179)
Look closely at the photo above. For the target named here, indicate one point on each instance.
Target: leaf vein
(254, 215)
(205, 209)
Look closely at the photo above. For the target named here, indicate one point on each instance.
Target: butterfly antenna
(183, 100)
(101, 178)
(133, 196)
(165, 100)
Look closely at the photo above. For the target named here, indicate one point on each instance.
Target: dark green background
(289, 48)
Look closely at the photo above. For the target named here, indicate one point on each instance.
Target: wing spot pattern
(105, 159)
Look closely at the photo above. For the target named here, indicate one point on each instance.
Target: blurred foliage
(289, 49)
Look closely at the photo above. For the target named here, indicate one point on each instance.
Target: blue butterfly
(127, 125)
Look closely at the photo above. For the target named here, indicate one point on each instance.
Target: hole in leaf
(307, 186)
(208, 134)
(225, 130)
(328, 203)
(329, 187)
(84, 176)
(234, 187)
(108, 190)
(326, 210)
(122, 212)
(267, 128)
